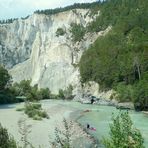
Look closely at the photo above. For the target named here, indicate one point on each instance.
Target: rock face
(91, 91)
(125, 105)
(30, 48)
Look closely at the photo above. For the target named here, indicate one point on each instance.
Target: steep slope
(30, 48)
(119, 60)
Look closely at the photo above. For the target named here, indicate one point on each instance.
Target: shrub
(6, 141)
(34, 110)
(125, 92)
(78, 32)
(141, 94)
(60, 32)
(67, 93)
(44, 93)
(61, 94)
(37, 117)
(20, 109)
(122, 134)
(63, 137)
(30, 93)
(43, 114)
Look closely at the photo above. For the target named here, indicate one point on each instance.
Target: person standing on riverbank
(92, 100)
(88, 126)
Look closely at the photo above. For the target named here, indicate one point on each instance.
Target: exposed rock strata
(30, 48)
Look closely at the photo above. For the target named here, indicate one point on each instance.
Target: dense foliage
(34, 110)
(6, 141)
(119, 59)
(122, 133)
(78, 32)
(91, 6)
(31, 93)
(4, 78)
(8, 21)
(6, 95)
(23, 91)
(66, 93)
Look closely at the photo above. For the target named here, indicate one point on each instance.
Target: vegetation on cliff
(93, 6)
(119, 60)
(78, 32)
(60, 32)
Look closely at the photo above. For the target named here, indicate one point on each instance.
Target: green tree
(78, 32)
(44, 93)
(141, 93)
(4, 78)
(68, 92)
(125, 92)
(123, 134)
(61, 94)
(6, 95)
(119, 59)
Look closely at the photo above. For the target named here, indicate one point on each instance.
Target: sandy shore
(43, 131)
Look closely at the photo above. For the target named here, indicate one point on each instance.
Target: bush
(6, 141)
(37, 117)
(61, 94)
(44, 93)
(78, 32)
(122, 134)
(125, 92)
(63, 137)
(66, 94)
(31, 93)
(34, 110)
(60, 32)
(141, 94)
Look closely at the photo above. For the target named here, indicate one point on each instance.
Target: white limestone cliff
(30, 48)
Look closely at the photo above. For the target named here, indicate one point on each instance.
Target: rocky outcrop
(125, 105)
(30, 48)
(90, 90)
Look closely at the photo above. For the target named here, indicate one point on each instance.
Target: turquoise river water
(100, 118)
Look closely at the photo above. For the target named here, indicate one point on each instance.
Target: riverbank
(44, 131)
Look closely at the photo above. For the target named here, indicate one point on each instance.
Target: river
(98, 117)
